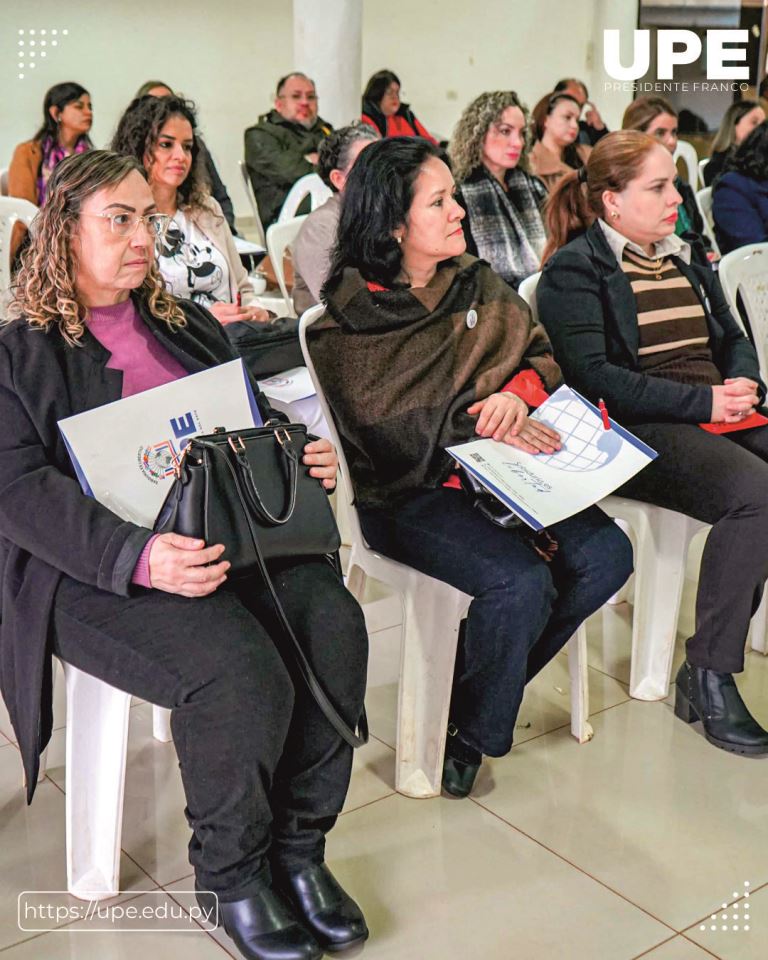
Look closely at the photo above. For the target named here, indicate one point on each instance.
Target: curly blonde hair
(466, 148)
(44, 291)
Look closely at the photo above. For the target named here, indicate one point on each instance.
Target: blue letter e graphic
(183, 426)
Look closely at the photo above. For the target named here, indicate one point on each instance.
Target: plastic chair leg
(662, 542)
(97, 743)
(161, 724)
(758, 631)
(432, 615)
(577, 667)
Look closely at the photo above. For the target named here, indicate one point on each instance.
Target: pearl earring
(614, 215)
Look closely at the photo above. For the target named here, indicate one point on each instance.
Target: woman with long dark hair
(424, 346)
(740, 196)
(385, 111)
(636, 321)
(67, 120)
(739, 121)
(555, 151)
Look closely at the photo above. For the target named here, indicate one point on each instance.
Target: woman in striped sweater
(633, 319)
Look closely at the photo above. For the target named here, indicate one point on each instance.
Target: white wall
(227, 56)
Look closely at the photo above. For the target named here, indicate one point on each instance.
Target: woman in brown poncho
(423, 346)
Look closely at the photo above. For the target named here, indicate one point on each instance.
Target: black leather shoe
(324, 907)
(460, 764)
(263, 927)
(713, 698)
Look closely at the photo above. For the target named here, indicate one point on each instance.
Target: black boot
(264, 928)
(460, 765)
(324, 907)
(713, 698)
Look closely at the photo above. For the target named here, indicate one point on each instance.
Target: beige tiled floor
(613, 850)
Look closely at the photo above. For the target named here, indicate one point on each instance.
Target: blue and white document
(124, 453)
(543, 489)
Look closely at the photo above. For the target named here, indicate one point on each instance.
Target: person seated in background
(658, 118)
(264, 773)
(312, 248)
(196, 255)
(156, 88)
(67, 119)
(739, 121)
(740, 195)
(556, 130)
(419, 349)
(385, 111)
(591, 128)
(282, 147)
(503, 222)
(634, 320)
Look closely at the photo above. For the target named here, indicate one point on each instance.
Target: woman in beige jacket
(555, 152)
(197, 256)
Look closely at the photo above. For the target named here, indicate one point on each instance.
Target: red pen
(604, 414)
(239, 299)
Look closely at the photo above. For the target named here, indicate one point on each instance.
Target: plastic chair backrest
(702, 164)
(346, 493)
(687, 153)
(704, 200)
(4, 182)
(745, 271)
(12, 210)
(527, 291)
(311, 186)
(252, 200)
(280, 236)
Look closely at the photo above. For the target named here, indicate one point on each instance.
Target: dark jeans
(524, 609)
(722, 480)
(265, 775)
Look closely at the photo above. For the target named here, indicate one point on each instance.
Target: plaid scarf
(53, 154)
(506, 225)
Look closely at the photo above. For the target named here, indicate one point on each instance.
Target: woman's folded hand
(320, 456)
(504, 417)
(177, 565)
(232, 313)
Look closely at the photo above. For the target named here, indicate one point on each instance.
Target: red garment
(398, 126)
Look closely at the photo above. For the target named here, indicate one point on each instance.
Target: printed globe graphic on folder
(587, 445)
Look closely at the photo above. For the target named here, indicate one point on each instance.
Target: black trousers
(264, 773)
(722, 480)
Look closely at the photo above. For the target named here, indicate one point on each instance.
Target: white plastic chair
(687, 153)
(661, 539)
(432, 612)
(13, 210)
(311, 185)
(704, 201)
(252, 200)
(4, 182)
(702, 164)
(279, 237)
(96, 748)
(745, 271)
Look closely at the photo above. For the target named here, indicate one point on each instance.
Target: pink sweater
(144, 362)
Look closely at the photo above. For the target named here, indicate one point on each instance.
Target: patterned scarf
(54, 153)
(506, 225)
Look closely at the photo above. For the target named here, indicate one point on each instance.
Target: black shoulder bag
(249, 490)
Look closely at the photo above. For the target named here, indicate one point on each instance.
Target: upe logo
(676, 47)
(158, 460)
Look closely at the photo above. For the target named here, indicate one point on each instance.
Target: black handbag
(249, 490)
(267, 348)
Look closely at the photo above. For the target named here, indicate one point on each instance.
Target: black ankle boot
(461, 764)
(264, 928)
(713, 698)
(324, 907)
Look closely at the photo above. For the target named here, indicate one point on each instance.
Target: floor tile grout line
(576, 867)
(717, 956)
(656, 947)
(563, 726)
(650, 950)
(369, 803)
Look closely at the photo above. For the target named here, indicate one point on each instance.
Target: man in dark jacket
(282, 146)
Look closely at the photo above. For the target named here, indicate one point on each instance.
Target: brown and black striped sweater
(674, 337)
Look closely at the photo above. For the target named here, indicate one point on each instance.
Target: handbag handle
(291, 461)
(354, 739)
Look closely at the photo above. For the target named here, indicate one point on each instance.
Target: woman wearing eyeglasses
(264, 773)
(197, 255)
(503, 202)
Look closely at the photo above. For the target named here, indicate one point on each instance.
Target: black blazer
(586, 304)
(48, 527)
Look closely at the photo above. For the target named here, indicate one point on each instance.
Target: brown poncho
(400, 367)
